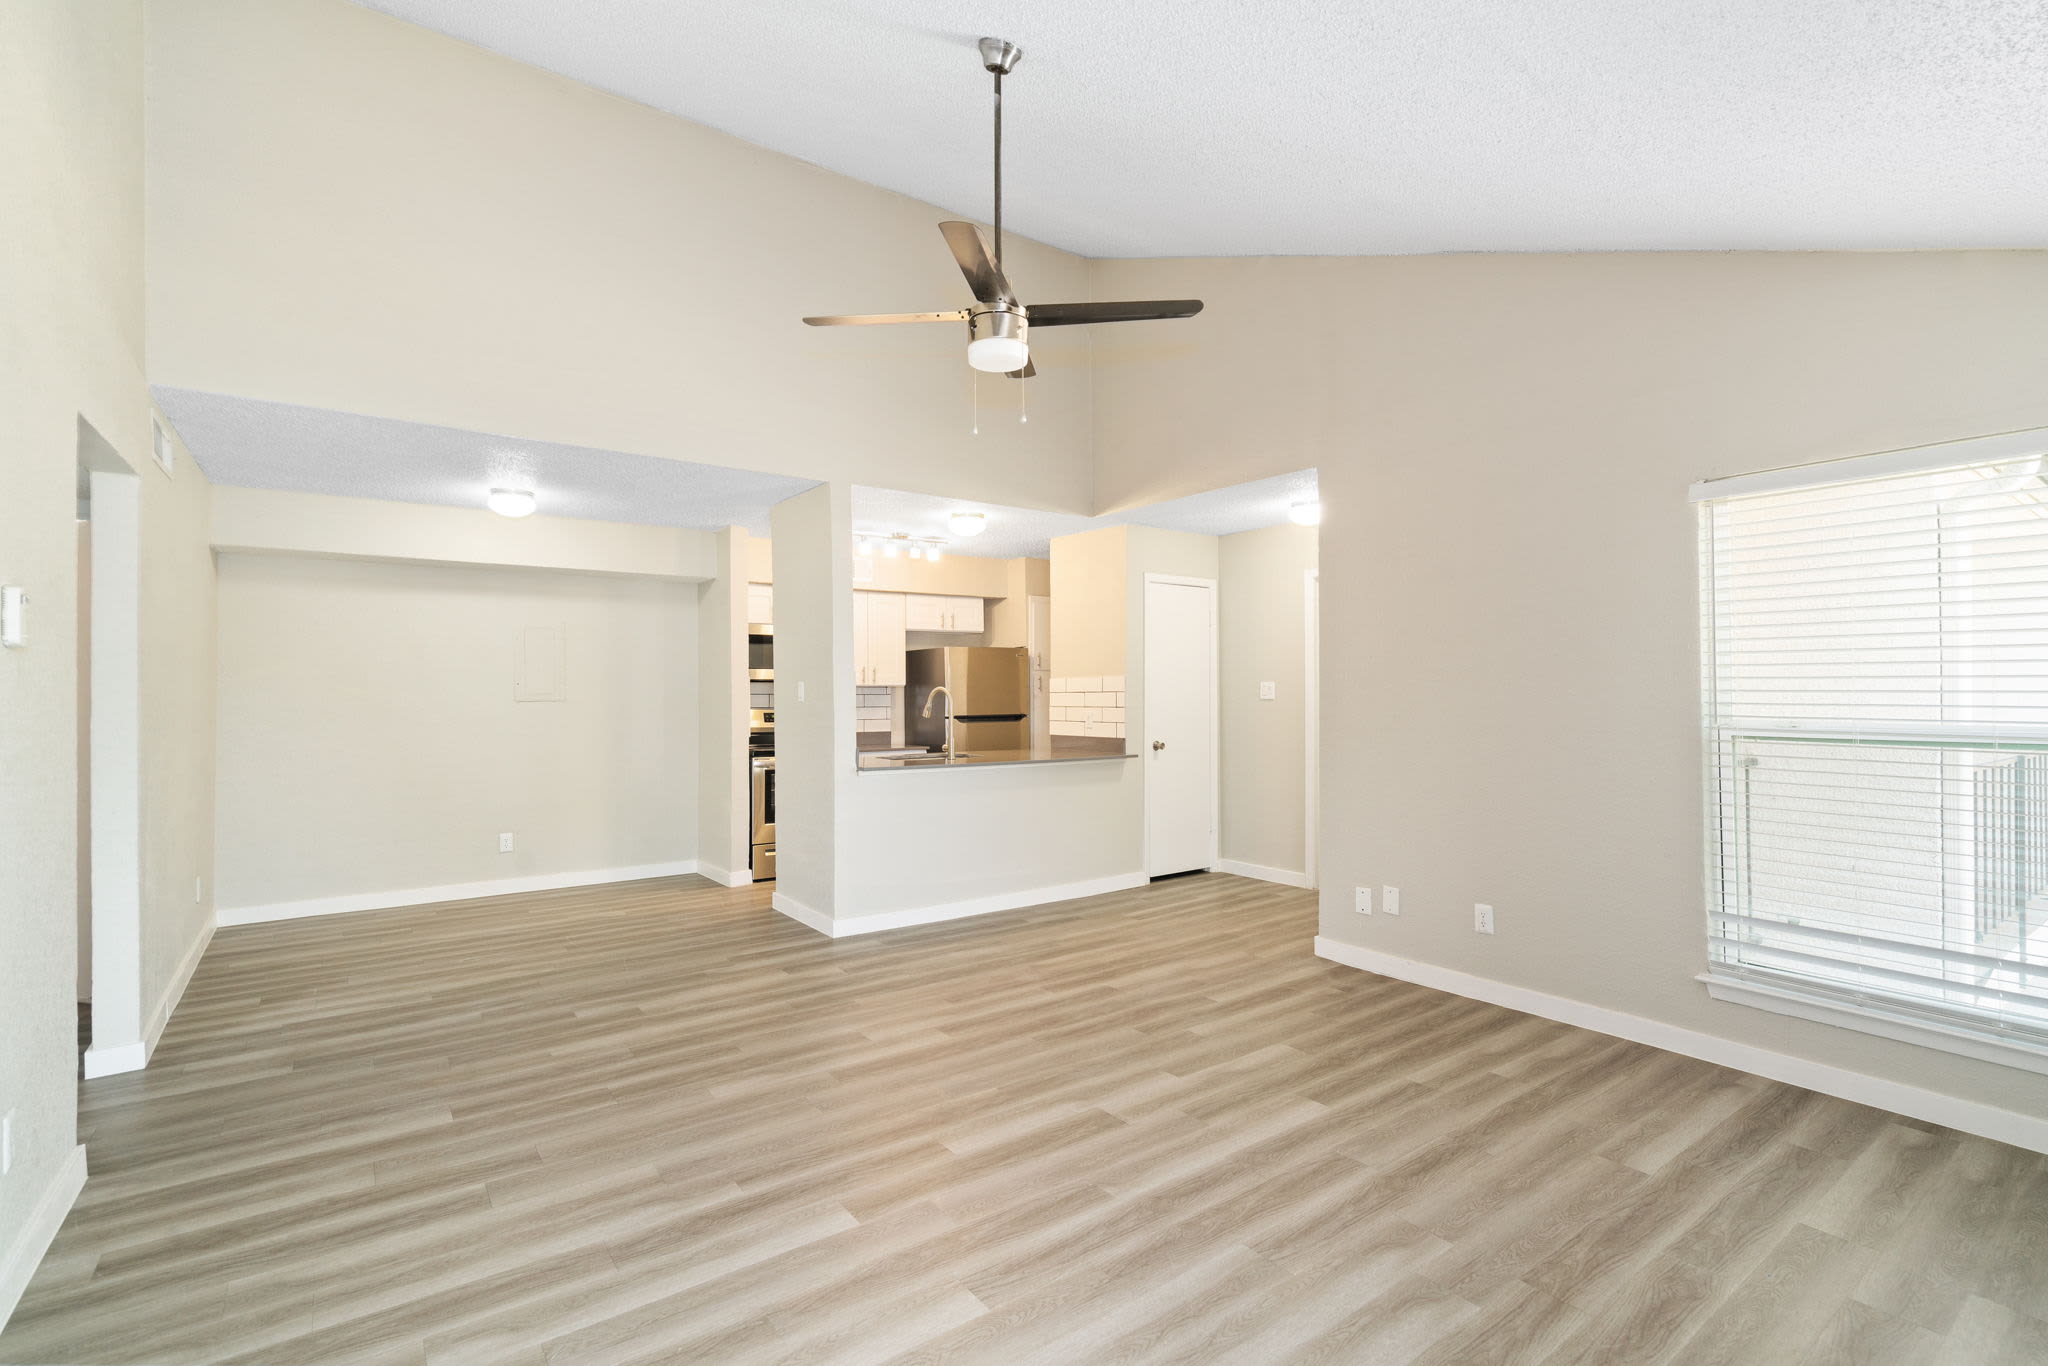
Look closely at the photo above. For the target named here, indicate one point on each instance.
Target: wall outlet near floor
(1390, 900)
(505, 843)
(1361, 900)
(1482, 920)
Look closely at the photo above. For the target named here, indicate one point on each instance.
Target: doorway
(1179, 746)
(111, 700)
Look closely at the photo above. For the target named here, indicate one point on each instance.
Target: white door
(1179, 750)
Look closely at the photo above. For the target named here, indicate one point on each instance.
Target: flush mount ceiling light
(1306, 514)
(967, 523)
(511, 502)
(998, 323)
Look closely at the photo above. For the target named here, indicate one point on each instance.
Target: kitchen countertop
(873, 761)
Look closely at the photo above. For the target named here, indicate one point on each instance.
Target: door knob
(1159, 744)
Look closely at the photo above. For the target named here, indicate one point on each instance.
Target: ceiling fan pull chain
(1023, 403)
(977, 404)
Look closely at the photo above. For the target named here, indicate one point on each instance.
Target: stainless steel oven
(764, 817)
(760, 651)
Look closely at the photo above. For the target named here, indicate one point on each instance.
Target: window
(1876, 685)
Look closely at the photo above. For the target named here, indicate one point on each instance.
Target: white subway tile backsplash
(1113, 683)
(1104, 699)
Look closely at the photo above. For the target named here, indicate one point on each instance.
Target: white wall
(424, 230)
(724, 799)
(1510, 672)
(1262, 629)
(370, 740)
(371, 528)
(71, 337)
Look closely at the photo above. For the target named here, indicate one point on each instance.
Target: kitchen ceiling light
(864, 546)
(967, 523)
(1306, 514)
(917, 552)
(933, 553)
(511, 502)
(889, 548)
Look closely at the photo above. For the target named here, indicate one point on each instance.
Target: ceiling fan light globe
(998, 355)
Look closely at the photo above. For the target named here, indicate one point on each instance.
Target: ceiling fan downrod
(999, 57)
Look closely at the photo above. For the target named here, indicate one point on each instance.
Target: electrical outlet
(1482, 919)
(1361, 900)
(799, 692)
(1268, 691)
(505, 843)
(6, 1142)
(1390, 900)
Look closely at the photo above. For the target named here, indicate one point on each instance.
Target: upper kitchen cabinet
(879, 644)
(760, 604)
(943, 612)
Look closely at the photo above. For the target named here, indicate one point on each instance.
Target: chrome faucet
(927, 713)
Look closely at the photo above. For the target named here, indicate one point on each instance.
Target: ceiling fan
(998, 323)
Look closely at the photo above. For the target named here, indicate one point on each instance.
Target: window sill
(1869, 1020)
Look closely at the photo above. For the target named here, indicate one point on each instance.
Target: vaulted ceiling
(1228, 127)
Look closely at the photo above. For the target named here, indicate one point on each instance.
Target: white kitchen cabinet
(878, 640)
(760, 604)
(943, 612)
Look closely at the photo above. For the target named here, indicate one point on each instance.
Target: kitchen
(951, 660)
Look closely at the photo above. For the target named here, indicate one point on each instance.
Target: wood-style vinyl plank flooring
(658, 1122)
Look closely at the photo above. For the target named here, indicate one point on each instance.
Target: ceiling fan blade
(1130, 311)
(977, 263)
(1026, 373)
(958, 315)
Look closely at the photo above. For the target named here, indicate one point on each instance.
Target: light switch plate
(1390, 900)
(505, 843)
(1482, 919)
(1268, 691)
(1361, 900)
(13, 616)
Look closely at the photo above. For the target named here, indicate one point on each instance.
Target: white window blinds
(1876, 689)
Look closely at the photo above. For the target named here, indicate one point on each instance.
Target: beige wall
(814, 737)
(1262, 622)
(178, 668)
(1510, 649)
(423, 230)
(370, 740)
(71, 338)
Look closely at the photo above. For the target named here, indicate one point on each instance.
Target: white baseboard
(457, 891)
(25, 1253)
(802, 914)
(841, 926)
(105, 1061)
(725, 877)
(2007, 1126)
(1286, 877)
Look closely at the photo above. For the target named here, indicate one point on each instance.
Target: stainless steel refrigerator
(991, 688)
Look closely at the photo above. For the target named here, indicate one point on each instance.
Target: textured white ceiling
(1026, 531)
(261, 445)
(1234, 127)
